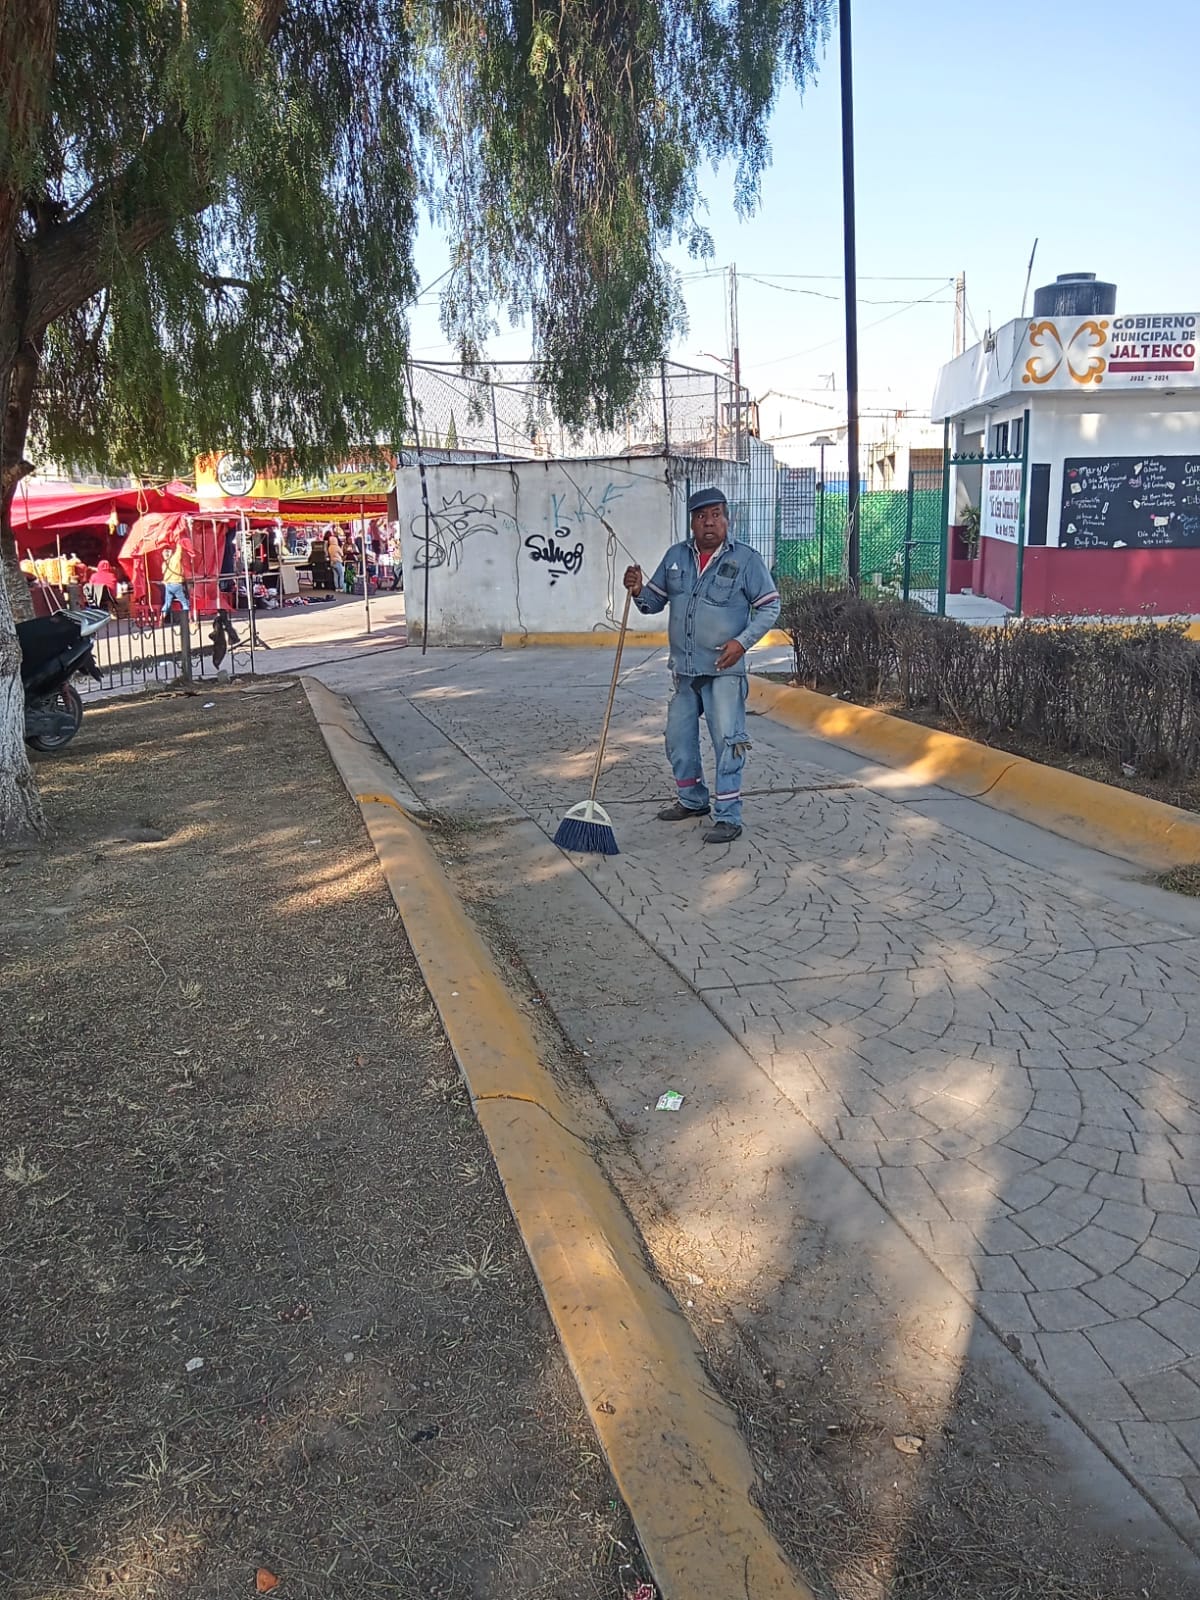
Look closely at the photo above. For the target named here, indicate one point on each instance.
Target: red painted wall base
(1111, 583)
(998, 563)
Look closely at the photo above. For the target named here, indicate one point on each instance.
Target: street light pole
(852, 485)
(822, 444)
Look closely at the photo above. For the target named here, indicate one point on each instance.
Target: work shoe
(677, 812)
(723, 833)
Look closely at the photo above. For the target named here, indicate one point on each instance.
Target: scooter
(53, 650)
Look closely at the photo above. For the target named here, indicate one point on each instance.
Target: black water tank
(1075, 294)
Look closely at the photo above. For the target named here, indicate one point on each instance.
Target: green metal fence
(901, 541)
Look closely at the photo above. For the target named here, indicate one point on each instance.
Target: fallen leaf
(265, 1581)
(908, 1444)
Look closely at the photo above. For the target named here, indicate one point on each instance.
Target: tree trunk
(27, 36)
(20, 598)
(13, 467)
(21, 815)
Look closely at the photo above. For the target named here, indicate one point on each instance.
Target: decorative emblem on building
(1083, 365)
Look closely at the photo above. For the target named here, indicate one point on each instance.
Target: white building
(1085, 425)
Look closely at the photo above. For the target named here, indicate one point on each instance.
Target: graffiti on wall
(562, 558)
(563, 552)
(459, 517)
(560, 553)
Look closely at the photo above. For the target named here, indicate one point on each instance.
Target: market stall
(64, 531)
(208, 550)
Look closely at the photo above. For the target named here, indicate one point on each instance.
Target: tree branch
(68, 263)
(211, 280)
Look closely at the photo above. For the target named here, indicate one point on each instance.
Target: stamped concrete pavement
(997, 1032)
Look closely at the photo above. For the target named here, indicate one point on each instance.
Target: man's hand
(730, 655)
(633, 580)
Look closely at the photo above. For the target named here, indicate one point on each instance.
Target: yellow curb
(602, 638)
(608, 637)
(674, 1449)
(1143, 831)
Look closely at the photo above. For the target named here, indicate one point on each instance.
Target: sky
(977, 130)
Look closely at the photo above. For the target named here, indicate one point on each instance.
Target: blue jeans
(339, 576)
(174, 591)
(722, 703)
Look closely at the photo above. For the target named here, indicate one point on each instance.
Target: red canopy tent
(141, 558)
(42, 512)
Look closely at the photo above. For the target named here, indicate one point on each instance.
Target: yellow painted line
(673, 1446)
(607, 637)
(602, 638)
(1137, 829)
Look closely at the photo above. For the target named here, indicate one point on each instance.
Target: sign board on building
(1075, 355)
(1130, 503)
(1115, 352)
(1000, 503)
(1152, 349)
(236, 475)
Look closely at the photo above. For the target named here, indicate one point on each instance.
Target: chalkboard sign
(1131, 503)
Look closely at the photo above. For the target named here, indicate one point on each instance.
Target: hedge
(1129, 695)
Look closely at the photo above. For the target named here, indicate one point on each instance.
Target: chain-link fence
(900, 535)
(503, 410)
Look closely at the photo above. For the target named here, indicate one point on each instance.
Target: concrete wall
(539, 546)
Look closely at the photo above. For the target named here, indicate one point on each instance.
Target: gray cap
(706, 497)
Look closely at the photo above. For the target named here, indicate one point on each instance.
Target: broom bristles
(587, 830)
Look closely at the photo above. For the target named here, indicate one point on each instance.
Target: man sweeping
(722, 600)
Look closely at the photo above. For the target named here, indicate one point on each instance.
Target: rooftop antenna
(1028, 277)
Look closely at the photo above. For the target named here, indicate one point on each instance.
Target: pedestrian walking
(722, 600)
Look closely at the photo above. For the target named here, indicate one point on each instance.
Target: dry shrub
(1127, 694)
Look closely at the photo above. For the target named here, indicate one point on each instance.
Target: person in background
(101, 587)
(176, 571)
(383, 562)
(337, 560)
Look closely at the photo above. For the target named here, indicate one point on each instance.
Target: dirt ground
(266, 1313)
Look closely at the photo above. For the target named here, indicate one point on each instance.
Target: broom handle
(612, 695)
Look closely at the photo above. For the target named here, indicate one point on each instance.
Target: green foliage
(273, 316)
(253, 188)
(571, 136)
(1126, 694)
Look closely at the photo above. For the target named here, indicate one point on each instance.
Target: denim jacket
(733, 598)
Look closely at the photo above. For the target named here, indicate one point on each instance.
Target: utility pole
(735, 354)
(960, 313)
(852, 485)
(735, 359)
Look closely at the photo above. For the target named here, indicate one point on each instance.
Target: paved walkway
(996, 1031)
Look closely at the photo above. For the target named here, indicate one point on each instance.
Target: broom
(587, 827)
